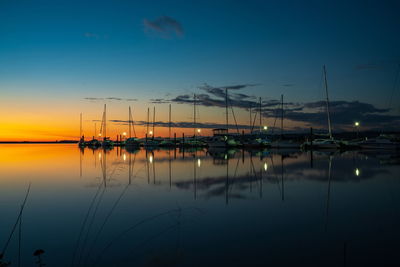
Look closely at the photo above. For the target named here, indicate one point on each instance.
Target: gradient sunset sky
(61, 58)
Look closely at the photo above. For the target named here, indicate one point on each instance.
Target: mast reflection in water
(200, 208)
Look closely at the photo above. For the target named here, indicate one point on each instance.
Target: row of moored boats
(222, 139)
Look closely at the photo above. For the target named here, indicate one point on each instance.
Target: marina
(199, 133)
(224, 138)
(220, 140)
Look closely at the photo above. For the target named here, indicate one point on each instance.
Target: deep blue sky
(74, 49)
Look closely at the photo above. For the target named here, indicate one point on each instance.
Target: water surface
(200, 208)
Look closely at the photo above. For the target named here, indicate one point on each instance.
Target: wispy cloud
(184, 124)
(311, 114)
(164, 27)
(343, 113)
(308, 114)
(215, 96)
(220, 91)
(159, 101)
(94, 99)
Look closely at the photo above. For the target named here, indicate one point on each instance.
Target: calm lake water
(200, 208)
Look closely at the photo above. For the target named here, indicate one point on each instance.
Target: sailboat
(150, 143)
(94, 143)
(281, 143)
(255, 139)
(324, 143)
(221, 137)
(168, 142)
(81, 136)
(194, 141)
(381, 142)
(107, 143)
(131, 142)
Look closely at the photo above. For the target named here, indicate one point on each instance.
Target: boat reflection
(234, 173)
(125, 207)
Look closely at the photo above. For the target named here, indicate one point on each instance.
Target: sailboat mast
(154, 119)
(130, 121)
(251, 128)
(105, 120)
(226, 108)
(80, 126)
(133, 125)
(282, 116)
(148, 120)
(169, 124)
(327, 104)
(260, 117)
(194, 115)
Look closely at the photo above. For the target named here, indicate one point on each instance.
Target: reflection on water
(198, 207)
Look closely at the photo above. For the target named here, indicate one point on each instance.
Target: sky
(62, 58)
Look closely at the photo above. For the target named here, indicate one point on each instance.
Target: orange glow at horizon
(59, 120)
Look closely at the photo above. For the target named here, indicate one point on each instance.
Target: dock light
(198, 163)
(357, 172)
(265, 166)
(265, 127)
(357, 125)
(151, 159)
